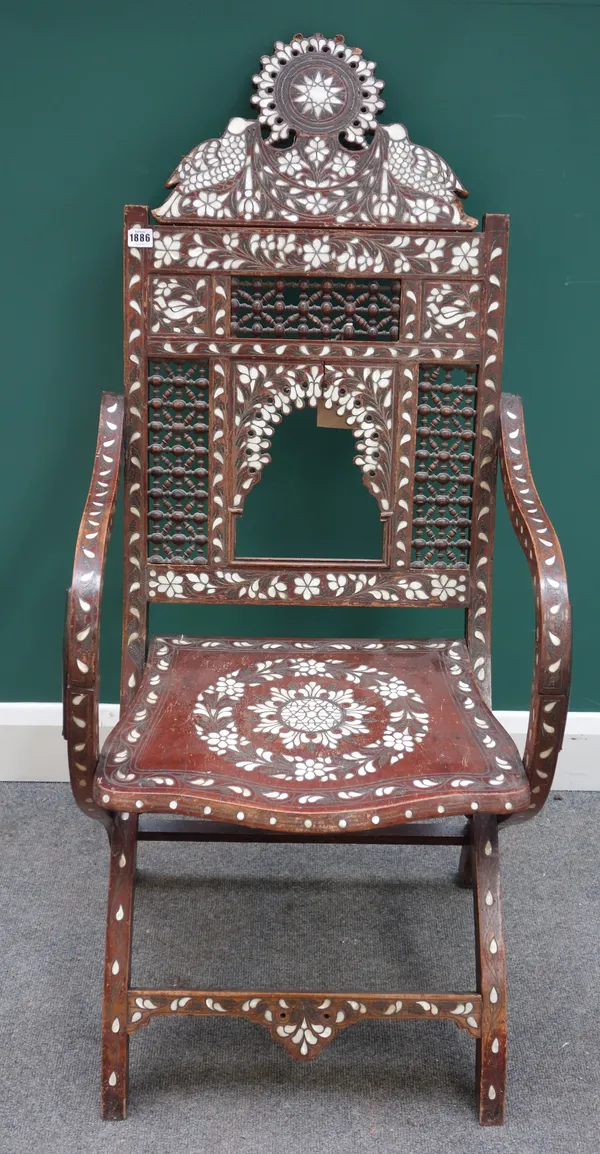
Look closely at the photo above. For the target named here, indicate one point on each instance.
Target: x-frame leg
(483, 1014)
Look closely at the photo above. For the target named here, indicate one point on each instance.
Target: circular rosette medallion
(315, 85)
(301, 719)
(315, 95)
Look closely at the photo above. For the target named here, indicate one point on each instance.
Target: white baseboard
(32, 748)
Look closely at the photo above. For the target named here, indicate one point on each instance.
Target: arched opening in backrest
(310, 501)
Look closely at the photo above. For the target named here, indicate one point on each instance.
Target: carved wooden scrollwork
(265, 393)
(320, 99)
(304, 1024)
(365, 398)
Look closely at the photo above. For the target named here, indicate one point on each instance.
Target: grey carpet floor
(295, 916)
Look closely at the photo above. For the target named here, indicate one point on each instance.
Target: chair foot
(117, 963)
(465, 867)
(491, 971)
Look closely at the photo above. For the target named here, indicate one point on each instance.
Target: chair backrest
(312, 257)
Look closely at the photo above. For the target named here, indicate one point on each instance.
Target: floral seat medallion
(317, 735)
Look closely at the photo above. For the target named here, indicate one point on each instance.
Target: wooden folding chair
(312, 257)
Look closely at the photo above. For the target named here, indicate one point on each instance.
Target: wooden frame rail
(304, 1023)
(417, 833)
(537, 537)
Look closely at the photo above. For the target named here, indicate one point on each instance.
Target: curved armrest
(552, 664)
(82, 624)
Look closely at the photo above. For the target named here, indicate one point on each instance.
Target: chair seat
(309, 735)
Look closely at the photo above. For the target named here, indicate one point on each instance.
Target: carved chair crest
(319, 99)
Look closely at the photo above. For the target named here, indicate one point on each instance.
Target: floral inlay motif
(311, 714)
(353, 587)
(250, 776)
(252, 251)
(178, 305)
(304, 1024)
(444, 587)
(324, 96)
(318, 94)
(494, 254)
(267, 393)
(465, 257)
(314, 81)
(167, 250)
(451, 311)
(170, 584)
(301, 711)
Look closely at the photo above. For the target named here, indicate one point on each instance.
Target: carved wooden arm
(82, 625)
(552, 664)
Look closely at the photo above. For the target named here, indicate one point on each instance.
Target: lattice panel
(315, 308)
(177, 461)
(443, 490)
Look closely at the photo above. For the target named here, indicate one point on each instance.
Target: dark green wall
(99, 103)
